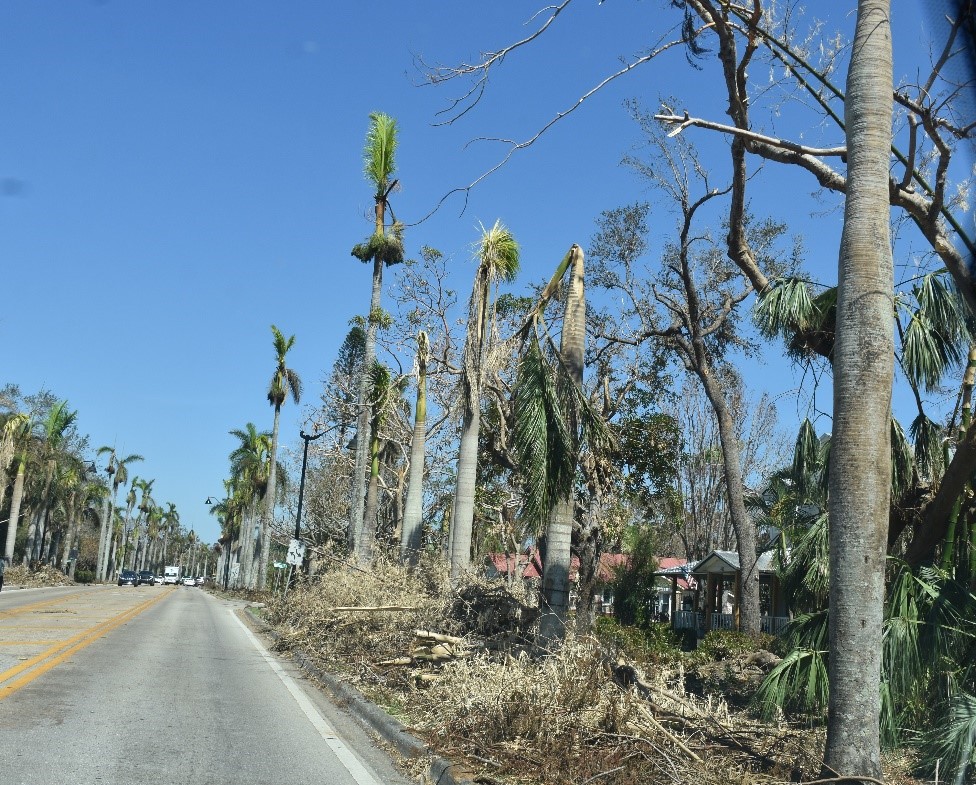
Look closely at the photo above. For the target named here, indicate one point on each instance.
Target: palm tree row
(59, 511)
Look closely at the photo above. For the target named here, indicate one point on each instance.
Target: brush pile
(460, 669)
(36, 577)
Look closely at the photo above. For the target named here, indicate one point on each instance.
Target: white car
(188, 581)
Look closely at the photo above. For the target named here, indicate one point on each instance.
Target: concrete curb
(375, 719)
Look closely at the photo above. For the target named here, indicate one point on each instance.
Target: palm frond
(902, 461)
(798, 682)
(928, 351)
(541, 436)
(784, 308)
(806, 457)
(499, 252)
(388, 248)
(928, 437)
(379, 154)
(952, 741)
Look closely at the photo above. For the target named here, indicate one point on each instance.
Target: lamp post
(301, 487)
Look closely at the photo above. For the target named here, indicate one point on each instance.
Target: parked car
(201, 580)
(188, 581)
(128, 578)
(146, 576)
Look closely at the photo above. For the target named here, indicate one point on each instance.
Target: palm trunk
(467, 472)
(103, 538)
(372, 497)
(15, 501)
(410, 533)
(69, 530)
(358, 495)
(268, 516)
(556, 563)
(863, 364)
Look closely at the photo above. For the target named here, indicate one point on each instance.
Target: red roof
(526, 565)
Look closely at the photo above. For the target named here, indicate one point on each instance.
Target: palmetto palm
(381, 249)
(498, 260)
(284, 380)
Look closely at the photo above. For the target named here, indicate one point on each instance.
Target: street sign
(296, 553)
(280, 565)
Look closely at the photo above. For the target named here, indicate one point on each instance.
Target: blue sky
(178, 176)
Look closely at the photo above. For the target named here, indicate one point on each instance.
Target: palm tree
(118, 472)
(413, 509)
(284, 380)
(13, 442)
(385, 393)
(53, 431)
(382, 249)
(556, 562)
(171, 524)
(498, 260)
(123, 535)
(249, 471)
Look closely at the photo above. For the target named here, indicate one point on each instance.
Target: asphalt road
(114, 685)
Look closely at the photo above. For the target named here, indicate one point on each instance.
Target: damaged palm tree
(382, 248)
(498, 259)
(553, 422)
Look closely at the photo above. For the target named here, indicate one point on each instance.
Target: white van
(171, 575)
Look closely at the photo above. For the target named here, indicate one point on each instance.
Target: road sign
(296, 553)
(280, 565)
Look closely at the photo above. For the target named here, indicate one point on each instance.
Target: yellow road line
(23, 643)
(34, 605)
(58, 653)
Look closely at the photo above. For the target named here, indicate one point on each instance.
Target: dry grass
(577, 716)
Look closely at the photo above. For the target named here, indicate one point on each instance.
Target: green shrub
(653, 643)
(726, 644)
(84, 576)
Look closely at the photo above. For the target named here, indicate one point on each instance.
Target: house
(528, 566)
(713, 604)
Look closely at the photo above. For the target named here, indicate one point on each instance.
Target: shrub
(84, 576)
(651, 644)
(726, 644)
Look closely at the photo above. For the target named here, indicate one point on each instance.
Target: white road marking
(345, 755)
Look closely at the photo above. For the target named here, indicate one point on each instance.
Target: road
(114, 685)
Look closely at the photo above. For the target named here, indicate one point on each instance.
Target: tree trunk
(467, 472)
(410, 534)
(860, 482)
(742, 523)
(103, 537)
(268, 517)
(357, 499)
(370, 513)
(590, 549)
(555, 575)
(15, 501)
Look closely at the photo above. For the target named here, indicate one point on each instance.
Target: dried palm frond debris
(459, 666)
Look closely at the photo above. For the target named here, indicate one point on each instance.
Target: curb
(388, 728)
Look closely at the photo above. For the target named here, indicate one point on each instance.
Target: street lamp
(301, 485)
